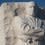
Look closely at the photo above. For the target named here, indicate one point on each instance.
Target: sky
(40, 3)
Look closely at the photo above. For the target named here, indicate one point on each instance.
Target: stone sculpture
(22, 24)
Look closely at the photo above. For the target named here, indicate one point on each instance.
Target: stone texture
(15, 15)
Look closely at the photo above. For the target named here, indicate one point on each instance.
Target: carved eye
(19, 11)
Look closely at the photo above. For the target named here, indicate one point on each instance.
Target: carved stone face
(30, 8)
